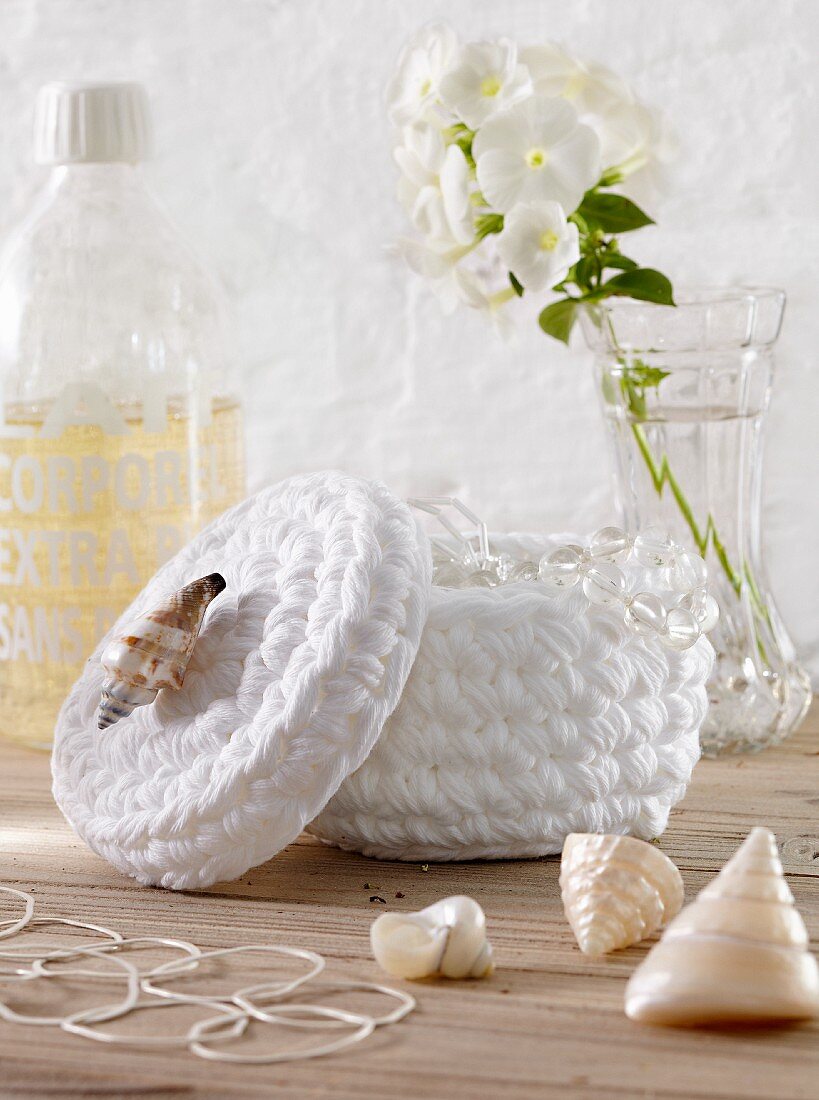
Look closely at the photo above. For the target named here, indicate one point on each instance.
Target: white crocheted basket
(526, 716)
(332, 687)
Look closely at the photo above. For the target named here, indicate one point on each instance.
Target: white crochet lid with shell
(298, 665)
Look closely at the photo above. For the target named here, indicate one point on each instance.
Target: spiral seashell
(155, 651)
(447, 939)
(616, 890)
(737, 954)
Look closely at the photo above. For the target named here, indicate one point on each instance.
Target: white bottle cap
(91, 123)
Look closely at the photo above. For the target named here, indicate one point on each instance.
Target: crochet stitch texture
(298, 664)
(527, 716)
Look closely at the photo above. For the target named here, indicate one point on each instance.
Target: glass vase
(684, 392)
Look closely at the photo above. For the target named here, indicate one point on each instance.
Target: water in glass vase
(685, 394)
(88, 518)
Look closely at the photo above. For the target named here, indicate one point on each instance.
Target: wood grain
(549, 1023)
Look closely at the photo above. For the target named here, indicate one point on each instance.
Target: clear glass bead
(703, 607)
(503, 565)
(681, 629)
(687, 572)
(609, 544)
(653, 547)
(442, 554)
(449, 574)
(522, 571)
(604, 583)
(482, 578)
(561, 568)
(646, 614)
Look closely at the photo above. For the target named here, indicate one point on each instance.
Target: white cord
(365, 1026)
(184, 966)
(39, 966)
(78, 1023)
(57, 951)
(21, 922)
(234, 1010)
(107, 1012)
(248, 999)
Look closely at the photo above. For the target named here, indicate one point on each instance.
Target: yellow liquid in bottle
(86, 519)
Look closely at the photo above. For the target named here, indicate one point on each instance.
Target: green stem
(661, 475)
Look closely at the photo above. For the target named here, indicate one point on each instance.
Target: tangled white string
(233, 1010)
(297, 666)
(527, 716)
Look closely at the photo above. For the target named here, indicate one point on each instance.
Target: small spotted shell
(447, 939)
(616, 890)
(154, 651)
(737, 954)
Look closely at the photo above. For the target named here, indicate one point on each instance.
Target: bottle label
(94, 497)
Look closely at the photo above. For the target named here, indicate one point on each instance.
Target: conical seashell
(616, 890)
(738, 954)
(447, 938)
(155, 651)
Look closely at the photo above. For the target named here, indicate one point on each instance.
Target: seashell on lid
(155, 650)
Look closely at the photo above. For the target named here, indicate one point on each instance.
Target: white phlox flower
(643, 146)
(633, 138)
(538, 244)
(590, 87)
(536, 151)
(414, 89)
(445, 267)
(434, 184)
(437, 261)
(486, 78)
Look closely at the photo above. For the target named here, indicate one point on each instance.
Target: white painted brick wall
(273, 155)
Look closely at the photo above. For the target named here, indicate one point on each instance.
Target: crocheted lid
(299, 663)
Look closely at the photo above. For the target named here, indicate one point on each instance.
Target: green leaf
(615, 260)
(517, 286)
(613, 213)
(558, 319)
(487, 224)
(584, 270)
(643, 283)
(645, 376)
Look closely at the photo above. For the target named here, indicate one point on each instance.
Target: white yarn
(299, 663)
(527, 716)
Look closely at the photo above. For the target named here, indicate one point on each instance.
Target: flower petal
(551, 68)
(454, 182)
(574, 167)
(501, 177)
(552, 120)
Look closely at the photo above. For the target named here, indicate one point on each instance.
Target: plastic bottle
(120, 425)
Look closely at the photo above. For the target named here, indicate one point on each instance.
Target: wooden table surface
(549, 1023)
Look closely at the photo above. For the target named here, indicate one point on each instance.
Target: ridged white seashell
(616, 890)
(447, 938)
(155, 651)
(737, 954)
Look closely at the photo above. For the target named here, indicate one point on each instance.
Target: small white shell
(616, 890)
(447, 939)
(155, 651)
(737, 954)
